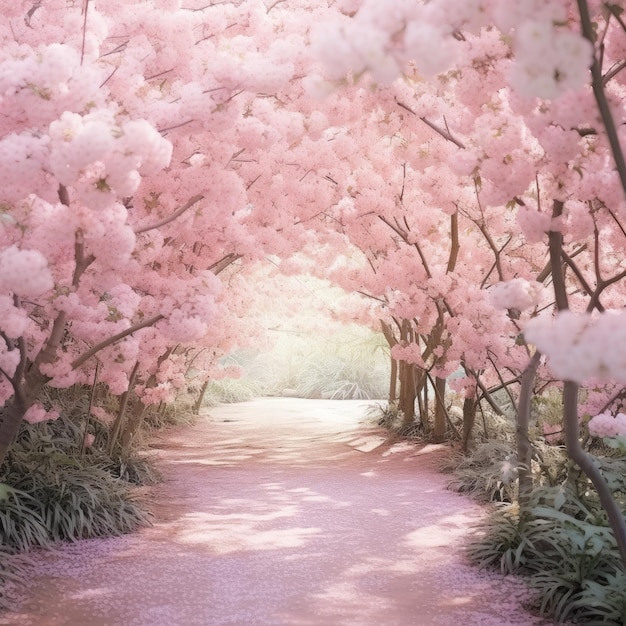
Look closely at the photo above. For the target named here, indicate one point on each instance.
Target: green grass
(50, 491)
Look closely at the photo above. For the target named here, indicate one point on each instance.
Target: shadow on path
(283, 512)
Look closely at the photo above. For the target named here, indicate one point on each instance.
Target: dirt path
(283, 512)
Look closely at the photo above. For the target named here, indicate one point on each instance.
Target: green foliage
(21, 522)
(339, 377)
(51, 489)
(131, 468)
(163, 416)
(487, 474)
(230, 390)
(562, 541)
(52, 492)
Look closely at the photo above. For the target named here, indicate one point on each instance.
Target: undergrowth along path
(283, 512)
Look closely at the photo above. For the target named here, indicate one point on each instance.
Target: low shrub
(563, 543)
(53, 490)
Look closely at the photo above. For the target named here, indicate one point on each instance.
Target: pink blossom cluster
(384, 39)
(39, 82)
(102, 415)
(376, 176)
(411, 353)
(24, 272)
(103, 159)
(24, 159)
(13, 320)
(37, 413)
(549, 59)
(607, 425)
(9, 359)
(582, 347)
(517, 293)
(381, 39)
(154, 395)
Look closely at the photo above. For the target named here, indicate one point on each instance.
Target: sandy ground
(283, 512)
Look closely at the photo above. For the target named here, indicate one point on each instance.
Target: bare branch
(109, 77)
(9, 378)
(555, 240)
(598, 91)
(120, 48)
(219, 266)
(82, 47)
(172, 217)
(581, 279)
(440, 131)
(165, 130)
(114, 339)
(613, 71)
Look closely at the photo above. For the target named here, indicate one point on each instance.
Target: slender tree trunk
(439, 426)
(470, 405)
(119, 420)
(407, 394)
(198, 403)
(133, 425)
(393, 382)
(524, 447)
(92, 397)
(570, 389)
(586, 464)
(421, 393)
(135, 419)
(395, 369)
(11, 416)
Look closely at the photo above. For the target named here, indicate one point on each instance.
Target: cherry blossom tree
(125, 128)
(531, 96)
(459, 165)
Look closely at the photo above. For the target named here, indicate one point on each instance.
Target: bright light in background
(310, 347)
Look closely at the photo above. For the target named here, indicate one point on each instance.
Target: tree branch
(555, 242)
(219, 266)
(171, 217)
(524, 448)
(440, 131)
(586, 464)
(597, 83)
(115, 338)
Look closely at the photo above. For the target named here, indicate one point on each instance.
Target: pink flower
(37, 413)
(516, 294)
(582, 347)
(24, 272)
(605, 425)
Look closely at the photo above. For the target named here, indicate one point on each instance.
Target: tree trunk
(406, 402)
(119, 420)
(393, 382)
(11, 417)
(524, 447)
(12, 414)
(421, 393)
(134, 424)
(198, 403)
(439, 427)
(469, 417)
(591, 470)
